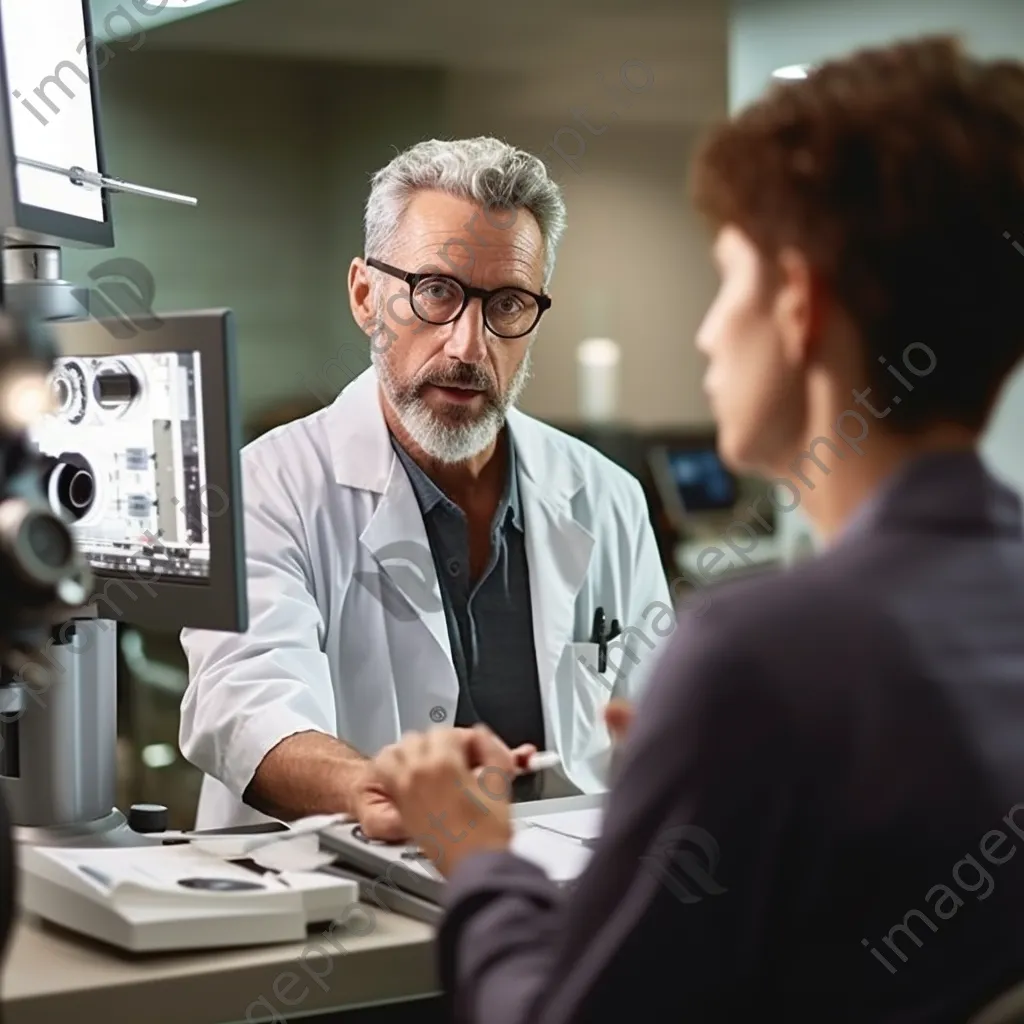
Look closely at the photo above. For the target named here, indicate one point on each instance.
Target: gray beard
(447, 443)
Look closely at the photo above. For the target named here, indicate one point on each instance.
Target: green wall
(279, 154)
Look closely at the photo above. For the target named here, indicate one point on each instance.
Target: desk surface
(53, 976)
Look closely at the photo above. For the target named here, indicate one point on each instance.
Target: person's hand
(513, 760)
(618, 716)
(452, 789)
(376, 812)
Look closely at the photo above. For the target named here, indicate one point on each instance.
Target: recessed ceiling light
(792, 71)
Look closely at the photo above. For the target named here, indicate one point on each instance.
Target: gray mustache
(468, 380)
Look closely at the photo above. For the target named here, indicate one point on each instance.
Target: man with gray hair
(421, 553)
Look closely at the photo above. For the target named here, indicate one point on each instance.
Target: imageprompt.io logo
(405, 591)
(121, 298)
(684, 859)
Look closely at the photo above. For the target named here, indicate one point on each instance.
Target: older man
(420, 552)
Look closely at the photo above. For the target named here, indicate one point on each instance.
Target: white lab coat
(325, 497)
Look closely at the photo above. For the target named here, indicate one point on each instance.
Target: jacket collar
(362, 455)
(941, 492)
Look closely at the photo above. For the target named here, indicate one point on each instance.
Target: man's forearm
(308, 773)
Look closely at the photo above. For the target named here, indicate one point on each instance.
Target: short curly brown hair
(899, 173)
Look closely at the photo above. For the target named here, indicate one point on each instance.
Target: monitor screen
(702, 480)
(127, 463)
(51, 103)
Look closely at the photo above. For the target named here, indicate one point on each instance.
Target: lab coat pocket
(591, 692)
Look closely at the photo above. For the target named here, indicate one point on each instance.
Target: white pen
(542, 760)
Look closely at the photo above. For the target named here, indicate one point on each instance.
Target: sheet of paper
(582, 824)
(302, 853)
(561, 859)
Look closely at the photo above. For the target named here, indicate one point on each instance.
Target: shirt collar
(429, 495)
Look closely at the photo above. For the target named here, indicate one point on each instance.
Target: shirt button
(454, 567)
(438, 714)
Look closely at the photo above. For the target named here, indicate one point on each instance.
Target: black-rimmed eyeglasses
(439, 299)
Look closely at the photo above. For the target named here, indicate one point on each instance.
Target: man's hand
(618, 716)
(452, 789)
(377, 815)
(376, 812)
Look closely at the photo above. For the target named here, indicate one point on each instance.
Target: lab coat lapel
(558, 548)
(397, 539)
(405, 580)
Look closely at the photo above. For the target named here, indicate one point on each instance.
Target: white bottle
(597, 376)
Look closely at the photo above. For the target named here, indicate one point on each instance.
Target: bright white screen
(50, 100)
(146, 456)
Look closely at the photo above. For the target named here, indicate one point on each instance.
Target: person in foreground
(421, 552)
(819, 812)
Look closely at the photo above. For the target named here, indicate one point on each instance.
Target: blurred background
(276, 112)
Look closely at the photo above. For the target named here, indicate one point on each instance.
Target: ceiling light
(792, 71)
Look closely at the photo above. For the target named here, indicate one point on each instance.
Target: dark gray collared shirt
(490, 622)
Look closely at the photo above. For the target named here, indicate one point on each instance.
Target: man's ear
(366, 310)
(360, 295)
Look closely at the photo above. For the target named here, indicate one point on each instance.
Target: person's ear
(360, 295)
(799, 307)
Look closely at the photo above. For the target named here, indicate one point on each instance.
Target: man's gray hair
(483, 170)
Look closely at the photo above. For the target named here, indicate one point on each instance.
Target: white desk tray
(163, 898)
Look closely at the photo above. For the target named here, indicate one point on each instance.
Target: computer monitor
(49, 117)
(142, 456)
(692, 481)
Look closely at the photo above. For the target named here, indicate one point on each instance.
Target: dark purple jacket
(820, 808)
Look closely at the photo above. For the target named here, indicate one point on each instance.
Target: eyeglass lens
(509, 313)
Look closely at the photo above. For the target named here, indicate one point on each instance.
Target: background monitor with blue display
(692, 482)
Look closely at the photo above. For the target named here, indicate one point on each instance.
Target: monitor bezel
(660, 462)
(220, 602)
(36, 224)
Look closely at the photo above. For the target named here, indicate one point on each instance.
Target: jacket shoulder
(297, 453)
(292, 444)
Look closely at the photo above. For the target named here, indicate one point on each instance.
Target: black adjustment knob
(148, 818)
